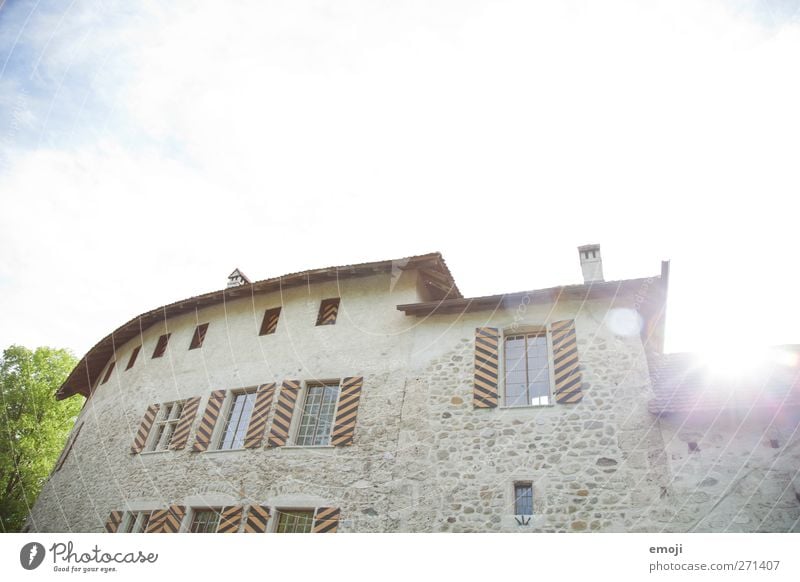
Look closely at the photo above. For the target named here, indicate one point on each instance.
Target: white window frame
(134, 521)
(202, 509)
(222, 427)
(526, 330)
(276, 519)
(162, 424)
(297, 418)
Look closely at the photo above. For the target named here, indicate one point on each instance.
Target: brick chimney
(591, 263)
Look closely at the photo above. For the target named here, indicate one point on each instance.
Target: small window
(527, 370)
(328, 310)
(199, 336)
(204, 521)
(318, 410)
(108, 373)
(295, 521)
(774, 443)
(161, 346)
(134, 355)
(238, 419)
(136, 522)
(164, 427)
(693, 447)
(270, 322)
(523, 498)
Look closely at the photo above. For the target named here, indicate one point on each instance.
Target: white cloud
(282, 136)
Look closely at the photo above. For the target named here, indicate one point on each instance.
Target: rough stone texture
(423, 459)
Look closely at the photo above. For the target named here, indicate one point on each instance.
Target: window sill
(527, 406)
(211, 451)
(307, 447)
(161, 452)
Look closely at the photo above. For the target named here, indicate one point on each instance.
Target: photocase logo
(31, 555)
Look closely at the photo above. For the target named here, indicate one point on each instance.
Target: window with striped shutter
(199, 336)
(566, 366)
(166, 520)
(206, 427)
(345, 424)
(134, 355)
(258, 418)
(284, 409)
(326, 520)
(113, 521)
(270, 322)
(229, 519)
(108, 372)
(144, 429)
(161, 345)
(181, 435)
(257, 519)
(328, 310)
(484, 391)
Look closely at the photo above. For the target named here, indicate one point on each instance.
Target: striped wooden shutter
(279, 432)
(258, 419)
(326, 520)
(328, 310)
(229, 519)
(257, 518)
(156, 523)
(345, 424)
(166, 520)
(144, 429)
(484, 390)
(112, 524)
(206, 427)
(181, 434)
(566, 366)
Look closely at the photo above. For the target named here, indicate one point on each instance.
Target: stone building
(376, 398)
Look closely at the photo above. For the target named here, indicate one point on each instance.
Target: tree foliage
(33, 427)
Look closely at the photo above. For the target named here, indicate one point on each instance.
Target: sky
(147, 149)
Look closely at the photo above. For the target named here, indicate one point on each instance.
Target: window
(199, 336)
(318, 411)
(161, 346)
(523, 498)
(168, 417)
(693, 447)
(270, 322)
(136, 522)
(295, 521)
(204, 521)
(108, 372)
(134, 355)
(238, 418)
(527, 370)
(328, 310)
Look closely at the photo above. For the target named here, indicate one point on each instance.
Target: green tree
(33, 427)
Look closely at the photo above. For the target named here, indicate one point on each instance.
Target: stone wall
(424, 460)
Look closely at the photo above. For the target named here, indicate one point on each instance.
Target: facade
(376, 398)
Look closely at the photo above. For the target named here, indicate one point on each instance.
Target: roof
(435, 276)
(684, 382)
(594, 290)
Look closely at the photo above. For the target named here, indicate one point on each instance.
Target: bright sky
(147, 149)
